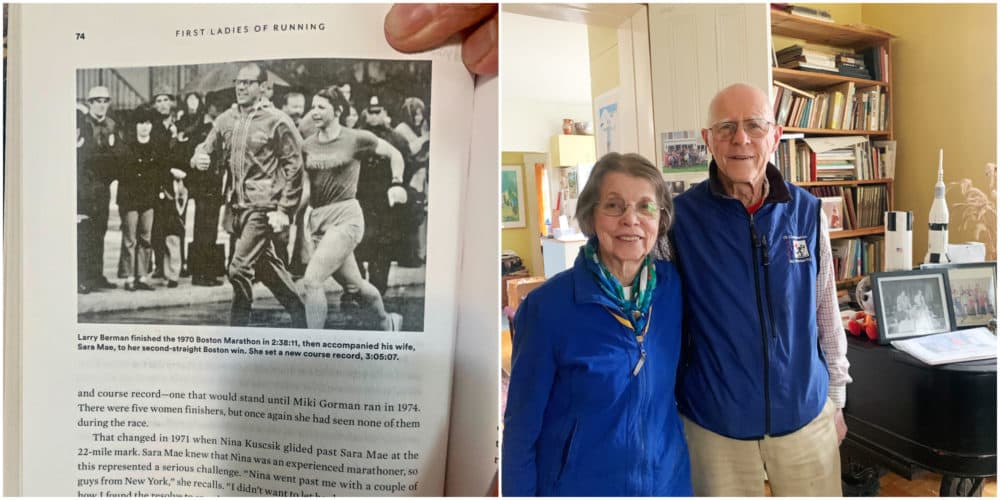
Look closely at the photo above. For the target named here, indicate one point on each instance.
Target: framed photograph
(676, 187)
(912, 304)
(684, 151)
(973, 291)
(833, 207)
(512, 197)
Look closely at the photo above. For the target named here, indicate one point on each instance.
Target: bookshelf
(878, 127)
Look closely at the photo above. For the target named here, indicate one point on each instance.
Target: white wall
(697, 50)
(546, 68)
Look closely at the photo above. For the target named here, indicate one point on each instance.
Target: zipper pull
(763, 244)
(753, 236)
(642, 361)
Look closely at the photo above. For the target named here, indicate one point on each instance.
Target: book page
(130, 391)
(472, 444)
(951, 347)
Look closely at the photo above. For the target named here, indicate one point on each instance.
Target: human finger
(416, 27)
(479, 51)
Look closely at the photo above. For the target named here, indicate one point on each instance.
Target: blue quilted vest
(751, 365)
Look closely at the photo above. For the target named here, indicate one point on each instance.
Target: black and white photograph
(267, 193)
(912, 304)
(973, 291)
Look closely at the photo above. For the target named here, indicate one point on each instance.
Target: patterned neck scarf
(635, 311)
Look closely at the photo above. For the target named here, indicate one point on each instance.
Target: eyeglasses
(246, 83)
(617, 208)
(101, 100)
(754, 127)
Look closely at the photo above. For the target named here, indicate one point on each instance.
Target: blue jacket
(578, 423)
(752, 364)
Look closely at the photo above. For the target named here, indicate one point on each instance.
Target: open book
(951, 347)
(115, 389)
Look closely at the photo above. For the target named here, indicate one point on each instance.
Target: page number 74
(81, 36)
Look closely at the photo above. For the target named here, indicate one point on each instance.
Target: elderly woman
(590, 409)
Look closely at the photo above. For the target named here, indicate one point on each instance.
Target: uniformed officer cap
(98, 92)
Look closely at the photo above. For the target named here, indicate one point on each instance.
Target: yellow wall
(521, 240)
(945, 96)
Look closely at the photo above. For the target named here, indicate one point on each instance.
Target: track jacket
(262, 150)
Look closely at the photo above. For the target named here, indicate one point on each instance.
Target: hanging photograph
(912, 304)
(684, 151)
(511, 197)
(607, 122)
(973, 291)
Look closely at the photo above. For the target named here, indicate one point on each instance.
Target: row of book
(840, 158)
(840, 107)
(852, 207)
(853, 257)
(869, 64)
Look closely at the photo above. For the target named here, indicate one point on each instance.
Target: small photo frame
(512, 197)
(676, 187)
(833, 207)
(912, 304)
(973, 291)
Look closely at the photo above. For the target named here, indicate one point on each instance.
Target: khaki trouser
(803, 463)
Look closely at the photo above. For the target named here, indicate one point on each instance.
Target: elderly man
(262, 150)
(99, 146)
(764, 373)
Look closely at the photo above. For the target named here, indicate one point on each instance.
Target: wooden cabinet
(572, 150)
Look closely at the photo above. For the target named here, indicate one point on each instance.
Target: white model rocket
(937, 238)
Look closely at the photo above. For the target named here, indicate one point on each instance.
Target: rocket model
(937, 238)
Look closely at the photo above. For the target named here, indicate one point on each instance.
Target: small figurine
(937, 239)
(863, 324)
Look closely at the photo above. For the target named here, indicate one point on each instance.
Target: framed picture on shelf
(511, 197)
(833, 207)
(912, 304)
(973, 291)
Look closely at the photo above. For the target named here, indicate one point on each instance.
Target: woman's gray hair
(636, 166)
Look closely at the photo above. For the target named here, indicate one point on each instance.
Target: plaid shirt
(832, 339)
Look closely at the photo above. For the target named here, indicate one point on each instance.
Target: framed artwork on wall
(607, 139)
(512, 197)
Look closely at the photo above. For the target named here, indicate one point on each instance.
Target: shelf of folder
(854, 233)
(826, 33)
(849, 281)
(828, 131)
(818, 80)
(844, 183)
